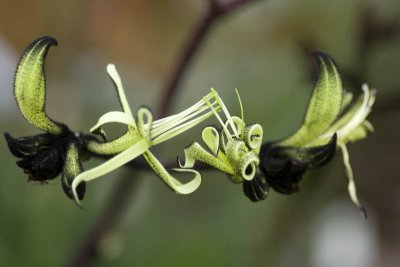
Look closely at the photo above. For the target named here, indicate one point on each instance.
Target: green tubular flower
(329, 124)
(46, 155)
(233, 151)
(141, 134)
(30, 86)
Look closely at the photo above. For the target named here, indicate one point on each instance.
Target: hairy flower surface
(43, 156)
(234, 151)
(329, 124)
(58, 149)
(142, 133)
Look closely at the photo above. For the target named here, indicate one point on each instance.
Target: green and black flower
(58, 150)
(329, 124)
(43, 156)
(236, 149)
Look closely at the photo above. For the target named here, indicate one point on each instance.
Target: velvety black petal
(314, 157)
(81, 189)
(284, 167)
(249, 191)
(46, 165)
(25, 164)
(286, 181)
(260, 182)
(282, 173)
(321, 155)
(256, 189)
(29, 145)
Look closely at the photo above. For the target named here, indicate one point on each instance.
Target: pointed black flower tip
(256, 189)
(30, 86)
(313, 157)
(72, 167)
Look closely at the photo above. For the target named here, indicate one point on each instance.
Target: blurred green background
(262, 51)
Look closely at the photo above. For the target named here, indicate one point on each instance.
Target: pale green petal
(112, 72)
(210, 137)
(196, 152)
(351, 187)
(358, 133)
(117, 161)
(356, 116)
(324, 106)
(174, 125)
(111, 117)
(130, 137)
(239, 124)
(247, 166)
(227, 115)
(351, 125)
(30, 86)
(240, 104)
(144, 122)
(197, 108)
(171, 133)
(347, 98)
(253, 136)
(169, 180)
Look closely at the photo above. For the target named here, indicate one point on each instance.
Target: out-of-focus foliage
(260, 50)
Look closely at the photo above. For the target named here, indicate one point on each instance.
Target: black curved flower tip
(314, 157)
(257, 189)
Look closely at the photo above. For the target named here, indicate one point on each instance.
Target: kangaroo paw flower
(331, 121)
(142, 133)
(43, 156)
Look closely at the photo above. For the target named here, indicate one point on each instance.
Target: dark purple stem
(211, 14)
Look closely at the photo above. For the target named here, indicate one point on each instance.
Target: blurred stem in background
(117, 204)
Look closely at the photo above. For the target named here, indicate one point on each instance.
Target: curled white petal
(113, 116)
(169, 180)
(361, 114)
(210, 136)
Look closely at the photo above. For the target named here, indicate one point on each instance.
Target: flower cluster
(235, 148)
